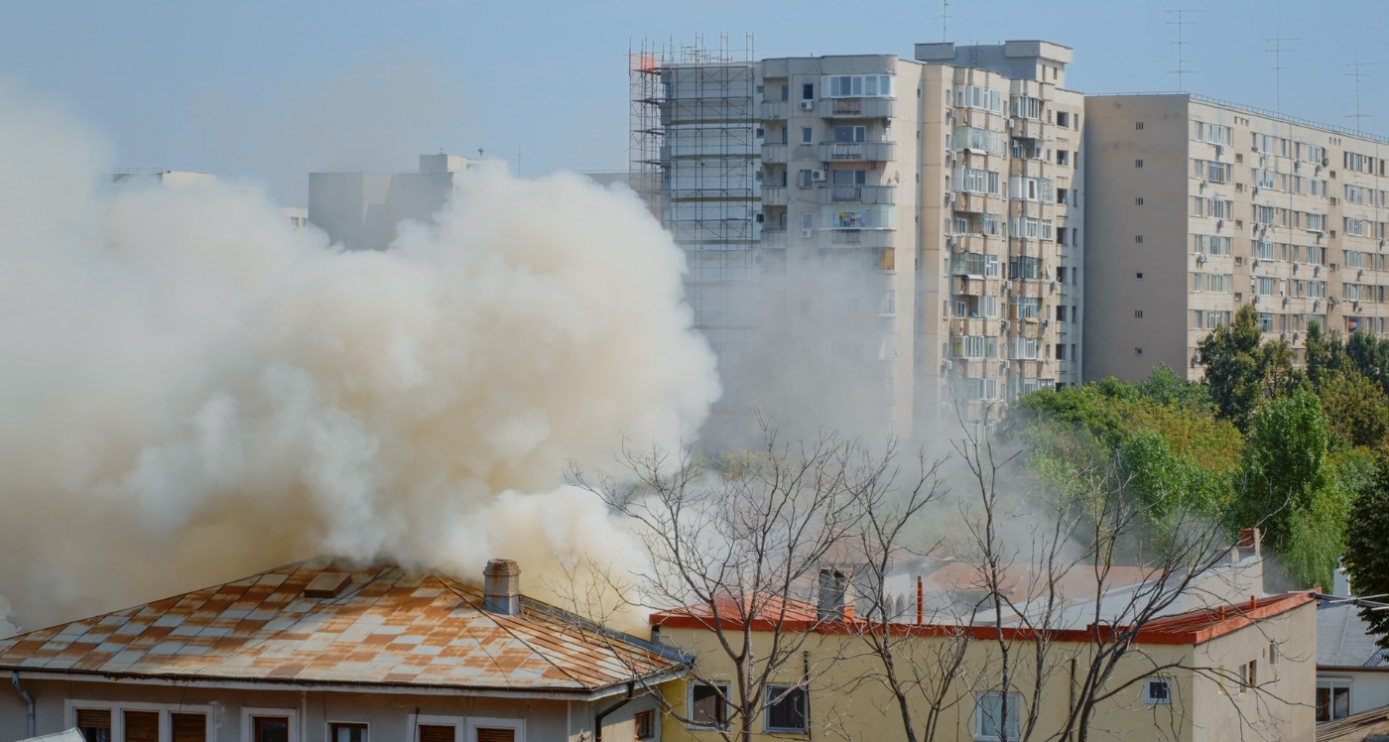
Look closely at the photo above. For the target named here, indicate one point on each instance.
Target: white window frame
(978, 731)
(459, 724)
(519, 725)
(772, 691)
(1154, 701)
(723, 685)
(250, 712)
(166, 730)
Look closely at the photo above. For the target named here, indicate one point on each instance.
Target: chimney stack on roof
(501, 587)
(836, 595)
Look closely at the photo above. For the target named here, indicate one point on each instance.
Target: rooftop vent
(501, 587)
(327, 585)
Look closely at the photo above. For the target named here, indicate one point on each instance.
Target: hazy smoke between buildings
(191, 391)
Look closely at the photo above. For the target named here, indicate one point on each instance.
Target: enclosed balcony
(855, 239)
(860, 194)
(856, 108)
(773, 153)
(856, 151)
(774, 110)
(774, 196)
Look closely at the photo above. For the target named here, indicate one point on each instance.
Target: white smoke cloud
(190, 391)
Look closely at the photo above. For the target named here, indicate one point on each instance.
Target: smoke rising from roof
(192, 392)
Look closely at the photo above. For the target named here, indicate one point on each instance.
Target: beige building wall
(847, 702)
(1297, 232)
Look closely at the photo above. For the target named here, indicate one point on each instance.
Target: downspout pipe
(605, 713)
(14, 678)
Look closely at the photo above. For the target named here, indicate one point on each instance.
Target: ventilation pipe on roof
(501, 587)
(14, 678)
(835, 596)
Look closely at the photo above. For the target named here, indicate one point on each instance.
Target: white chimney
(501, 587)
(1342, 581)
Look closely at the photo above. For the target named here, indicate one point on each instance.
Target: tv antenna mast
(1357, 71)
(944, 20)
(1181, 23)
(1278, 50)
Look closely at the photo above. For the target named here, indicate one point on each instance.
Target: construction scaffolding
(695, 158)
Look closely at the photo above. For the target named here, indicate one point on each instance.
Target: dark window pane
(786, 709)
(94, 724)
(349, 733)
(708, 706)
(271, 729)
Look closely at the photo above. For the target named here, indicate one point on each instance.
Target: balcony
(858, 194)
(774, 196)
(851, 238)
(856, 151)
(774, 153)
(967, 285)
(844, 108)
(960, 326)
(1029, 129)
(774, 238)
(978, 203)
(976, 243)
(775, 110)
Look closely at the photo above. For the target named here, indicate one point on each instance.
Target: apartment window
(438, 732)
(1333, 699)
(785, 709)
(270, 729)
(972, 96)
(348, 733)
(1138, 163)
(1138, 238)
(1063, 119)
(1263, 250)
(1061, 313)
(850, 133)
(1138, 276)
(141, 726)
(786, 92)
(1138, 201)
(1274, 653)
(856, 86)
(1138, 351)
(1157, 692)
(808, 91)
(188, 727)
(807, 223)
(1138, 314)
(805, 178)
(1063, 157)
(1027, 107)
(807, 135)
(645, 723)
(1060, 352)
(994, 716)
(1265, 324)
(1138, 125)
(707, 704)
(988, 306)
(495, 733)
(94, 724)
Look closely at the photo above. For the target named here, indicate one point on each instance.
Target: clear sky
(271, 90)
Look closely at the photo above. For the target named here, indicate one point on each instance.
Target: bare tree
(738, 549)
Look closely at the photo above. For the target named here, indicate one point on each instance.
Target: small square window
(645, 722)
(1138, 201)
(1138, 351)
(1138, 239)
(1138, 163)
(1138, 314)
(1138, 276)
(1157, 691)
(1138, 125)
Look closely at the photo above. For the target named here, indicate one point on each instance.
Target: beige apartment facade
(1199, 207)
(920, 240)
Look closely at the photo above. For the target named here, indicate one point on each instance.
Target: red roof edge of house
(1192, 627)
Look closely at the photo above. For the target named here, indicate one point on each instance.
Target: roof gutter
(14, 678)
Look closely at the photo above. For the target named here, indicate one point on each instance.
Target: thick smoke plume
(191, 391)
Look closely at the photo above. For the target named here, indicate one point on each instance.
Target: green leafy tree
(1356, 409)
(1367, 558)
(1242, 371)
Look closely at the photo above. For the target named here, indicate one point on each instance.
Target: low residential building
(1213, 666)
(1198, 207)
(319, 651)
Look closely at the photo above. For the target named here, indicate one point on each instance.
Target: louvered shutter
(189, 727)
(435, 733)
(141, 726)
(494, 734)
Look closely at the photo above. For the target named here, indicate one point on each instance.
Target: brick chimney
(501, 587)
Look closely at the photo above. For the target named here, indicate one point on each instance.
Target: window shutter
(142, 726)
(189, 727)
(435, 733)
(94, 718)
(494, 734)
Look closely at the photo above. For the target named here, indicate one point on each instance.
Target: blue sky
(271, 90)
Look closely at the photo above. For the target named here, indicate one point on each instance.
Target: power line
(1181, 23)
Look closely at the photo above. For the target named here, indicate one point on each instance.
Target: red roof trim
(1192, 627)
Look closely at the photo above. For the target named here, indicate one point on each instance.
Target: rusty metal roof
(385, 626)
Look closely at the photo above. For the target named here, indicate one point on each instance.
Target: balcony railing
(861, 194)
(774, 153)
(857, 151)
(856, 108)
(872, 238)
(775, 238)
(774, 109)
(774, 196)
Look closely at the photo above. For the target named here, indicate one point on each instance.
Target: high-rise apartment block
(911, 227)
(1199, 207)
(361, 211)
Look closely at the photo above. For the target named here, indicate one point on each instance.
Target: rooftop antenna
(518, 160)
(1181, 23)
(1277, 50)
(1358, 72)
(944, 20)
(479, 153)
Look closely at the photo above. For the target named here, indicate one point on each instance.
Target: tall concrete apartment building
(361, 210)
(919, 252)
(1198, 207)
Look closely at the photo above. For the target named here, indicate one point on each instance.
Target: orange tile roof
(387, 626)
